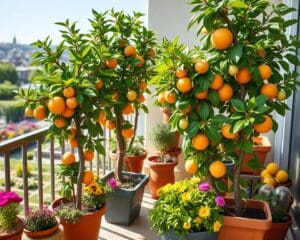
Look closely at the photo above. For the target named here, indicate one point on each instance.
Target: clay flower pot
(135, 163)
(16, 234)
(262, 148)
(42, 234)
(246, 228)
(278, 231)
(166, 114)
(87, 227)
(160, 174)
(205, 235)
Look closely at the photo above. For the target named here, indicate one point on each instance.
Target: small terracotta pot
(87, 227)
(135, 163)
(43, 233)
(15, 235)
(166, 114)
(262, 148)
(239, 228)
(278, 231)
(160, 175)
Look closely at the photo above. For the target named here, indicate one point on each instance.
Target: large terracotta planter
(87, 227)
(160, 175)
(262, 148)
(15, 235)
(278, 231)
(239, 228)
(41, 234)
(191, 236)
(135, 163)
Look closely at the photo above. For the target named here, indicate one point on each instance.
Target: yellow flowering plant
(185, 207)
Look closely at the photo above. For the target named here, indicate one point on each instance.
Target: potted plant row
(225, 92)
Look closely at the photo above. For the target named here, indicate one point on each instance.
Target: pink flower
(220, 201)
(9, 197)
(204, 187)
(112, 183)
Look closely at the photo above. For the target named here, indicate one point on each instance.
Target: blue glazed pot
(191, 236)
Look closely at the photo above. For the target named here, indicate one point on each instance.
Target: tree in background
(8, 72)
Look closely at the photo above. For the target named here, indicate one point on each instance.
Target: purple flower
(204, 187)
(9, 197)
(112, 183)
(220, 201)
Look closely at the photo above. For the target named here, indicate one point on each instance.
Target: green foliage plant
(257, 41)
(8, 72)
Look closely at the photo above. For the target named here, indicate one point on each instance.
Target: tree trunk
(81, 163)
(136, 117)
(121, 145)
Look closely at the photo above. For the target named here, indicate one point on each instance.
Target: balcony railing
(100, 165)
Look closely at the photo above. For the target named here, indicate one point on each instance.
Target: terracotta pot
(262, 148)
(166, 114)
(239, 228)
(43, 233)
(278, 231)
(135, 163)
(16, 234)
(191, 236)
(160, 175)
(87, 227)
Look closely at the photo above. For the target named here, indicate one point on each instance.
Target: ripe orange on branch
(68, 159)
(200, 141)
(225, 92)
(161, 98)
(68, 92)
(184, 84)
(71, 102)
(190, 166)
(201, 95)
(170, 97)
(127, 133)
(269, 90)
(265, 71)
(68, 113)
(217, 169)
(88, 154)
(128, 109)
(243, 76)
(227, 133)
(130, 51)
(99, 84)
(221, 38)
(265, 126)
(111, 63)
(217, 82)
(57, 105)
(142, 85)
(202, 66)
(131, 95)
(60, 122)
(28, 112)
(39, 112)
(88, 177)
(181, 73)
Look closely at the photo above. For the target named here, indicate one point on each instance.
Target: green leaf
(293, 59)
(238, 105)
(239, 125)
(254, 163)
(86, 51)
(99, 148)
(219, 119)
(213, 97)
(238, 4)
(89, 93)
(193, 129)
(260, 100)
(235, 53)
(246, 145)
(213, 133)
(221, 186)
(204, 111)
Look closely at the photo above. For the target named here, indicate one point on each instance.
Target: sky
(30, 20)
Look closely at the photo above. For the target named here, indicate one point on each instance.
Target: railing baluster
(25, 179)
(97, 165)
(40, 172)
(107, 155)
(52, 173)
(7, 171)
(103, 157)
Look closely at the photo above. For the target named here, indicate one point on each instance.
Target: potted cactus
(231, 84)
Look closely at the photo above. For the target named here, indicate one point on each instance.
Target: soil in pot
(15, 233)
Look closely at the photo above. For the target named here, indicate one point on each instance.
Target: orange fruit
(202, 66)
(88, 155)
(127, 133)
(141, 98)
(265, 126)
(131, 95)
(190, 166)
(150, 53)
(269, 180)
(217, 169)
(217, 82)
(110, 124)
(264, 173)
(68, 113)
(130, 51)
(183, 124)
(200, 141)
(184, 84)
(233, 70)
(227, 133)
(28, 112)
(201, 95)
(102, 118)
(181, 73)
(282, 176)
(60, 122)
(270, 90)
(170, 97)
(187, 109)
(272, 168)
(116, 96)
(39, 112)
(122, 43)
(243, 76)
(141, 61)
(262, 53)
(128, 109)
(71, 102)
(68, 92)
(99, 84)
(221, 38)
(88, 177)
(265, 71)
(71, 133)
(225, 93)
(161, 98)
(68, 158)
(73, 142)
(142, 85)
(57, 105)
(111, 63)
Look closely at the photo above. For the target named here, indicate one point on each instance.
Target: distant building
(23, 73)
(14, 40)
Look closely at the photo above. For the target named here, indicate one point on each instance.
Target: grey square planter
(124, 205)
(192, 236)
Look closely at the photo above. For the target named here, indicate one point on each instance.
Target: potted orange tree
(234, 81)
(128, 56)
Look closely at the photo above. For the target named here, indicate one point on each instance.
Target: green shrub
(30, 155)
(7, 90)
(19, 170)
(14, 114)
